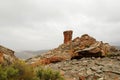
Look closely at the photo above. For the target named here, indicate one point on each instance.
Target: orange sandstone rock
(67, 36)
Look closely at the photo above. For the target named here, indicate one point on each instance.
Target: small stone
(94, 68)
(93, 58)
(89, 72)
(99, 71)
(101, 78)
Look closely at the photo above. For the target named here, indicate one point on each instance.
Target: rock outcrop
(6, 56)
(67, 36)
(83, 58)
(84, 46)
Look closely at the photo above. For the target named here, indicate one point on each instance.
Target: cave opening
(87, 54)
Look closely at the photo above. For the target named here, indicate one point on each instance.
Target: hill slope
(29, 54)
(6, 56)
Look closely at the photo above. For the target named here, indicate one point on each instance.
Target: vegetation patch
(21, 71)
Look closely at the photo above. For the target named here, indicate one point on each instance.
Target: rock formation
(67, 36)
(84, 46)
(6, 56)
(83, 58)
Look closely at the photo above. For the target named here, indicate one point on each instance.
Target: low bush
(17, 71)
(8, 73)
(48, 74)
(25, 72)
(21, 71)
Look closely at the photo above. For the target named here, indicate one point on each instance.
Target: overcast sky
(38, 24)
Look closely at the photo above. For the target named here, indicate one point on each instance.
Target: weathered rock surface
(84, 46)
(6, 56)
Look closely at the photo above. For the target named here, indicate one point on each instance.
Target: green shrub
(8, 73)
(25, 72)
(17, 71)
(21, 71)
(48, 74)
(3, 75)
(11, 73)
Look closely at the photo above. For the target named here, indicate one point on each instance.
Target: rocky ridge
(6, 56)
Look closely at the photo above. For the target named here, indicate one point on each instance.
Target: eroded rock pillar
(67, 36)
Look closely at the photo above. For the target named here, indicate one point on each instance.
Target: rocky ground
(106, 68)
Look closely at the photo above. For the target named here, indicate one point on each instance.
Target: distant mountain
(118, 47)
(28, 54)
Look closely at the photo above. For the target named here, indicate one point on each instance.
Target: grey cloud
(21, 11)
(38, 24)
